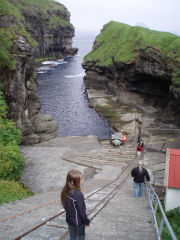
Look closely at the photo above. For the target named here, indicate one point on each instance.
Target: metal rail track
(96, 199)
(28, 211)
(104, 162)
(111, 163)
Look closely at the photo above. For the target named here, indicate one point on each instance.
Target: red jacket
(139, 148)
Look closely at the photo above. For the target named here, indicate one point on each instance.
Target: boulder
(47, 136)
(44, 123)
(30, 139)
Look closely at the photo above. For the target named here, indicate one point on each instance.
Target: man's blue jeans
(138, 189)
(77, 233)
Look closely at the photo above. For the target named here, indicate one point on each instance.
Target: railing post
(150, 202)
(161, 226)
(152, 195)
(155, 211)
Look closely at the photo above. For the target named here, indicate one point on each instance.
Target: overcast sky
(91, 15)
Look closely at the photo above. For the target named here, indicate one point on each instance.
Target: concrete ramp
(124, 217)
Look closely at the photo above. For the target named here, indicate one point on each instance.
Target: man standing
(139, 174)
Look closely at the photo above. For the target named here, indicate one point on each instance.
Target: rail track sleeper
(56, 225)
(92, 192)
(103, 162)
(115, 159)
(79, 163)
(156, 163)
(90, 204)
(98, 197)
(98, 193)
(105, 192)
(90, 199)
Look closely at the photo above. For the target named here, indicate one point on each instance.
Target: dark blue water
(64, 97)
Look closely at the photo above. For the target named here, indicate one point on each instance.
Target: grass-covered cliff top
(43, 5)
(12, 8)
(9, 34)
(124, 43)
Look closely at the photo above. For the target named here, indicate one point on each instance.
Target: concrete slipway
(124, 217)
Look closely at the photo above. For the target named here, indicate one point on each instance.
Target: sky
(91, 15)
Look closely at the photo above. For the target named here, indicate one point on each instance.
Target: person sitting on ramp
(118, 138)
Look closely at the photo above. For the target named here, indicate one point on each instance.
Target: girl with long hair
(73, 202)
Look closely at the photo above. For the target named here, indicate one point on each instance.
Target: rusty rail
(105, 200)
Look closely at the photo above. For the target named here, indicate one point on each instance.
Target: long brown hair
(73, 181)
(140, 165)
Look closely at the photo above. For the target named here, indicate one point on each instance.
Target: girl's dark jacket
(139, 176)
(76, 209)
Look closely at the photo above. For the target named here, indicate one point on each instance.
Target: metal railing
(154, 203)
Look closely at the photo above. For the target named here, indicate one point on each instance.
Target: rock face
(149, 75)
(123, 63)
(53, 39)
(38, 32)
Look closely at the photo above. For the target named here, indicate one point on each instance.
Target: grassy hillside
(9, 34)
(124, 43)
(43, 5)
(55, 21)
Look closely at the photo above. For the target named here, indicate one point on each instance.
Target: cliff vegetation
(29, 29)
(11, 159)
(12, 24)
(121, 44)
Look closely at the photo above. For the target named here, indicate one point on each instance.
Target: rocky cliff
(135, 59)
(30, 29)
(51, 28)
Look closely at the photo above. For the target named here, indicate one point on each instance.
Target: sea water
(63, 94)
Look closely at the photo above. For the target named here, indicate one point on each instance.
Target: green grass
(108, 113)
(12, 190)
(43, 5)
(10, 34)
(120, 42)
(56, 21)
(176, 78)
(124, 43)
(11, 158)
(111, 114)
(8, 8)
(173, 217)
